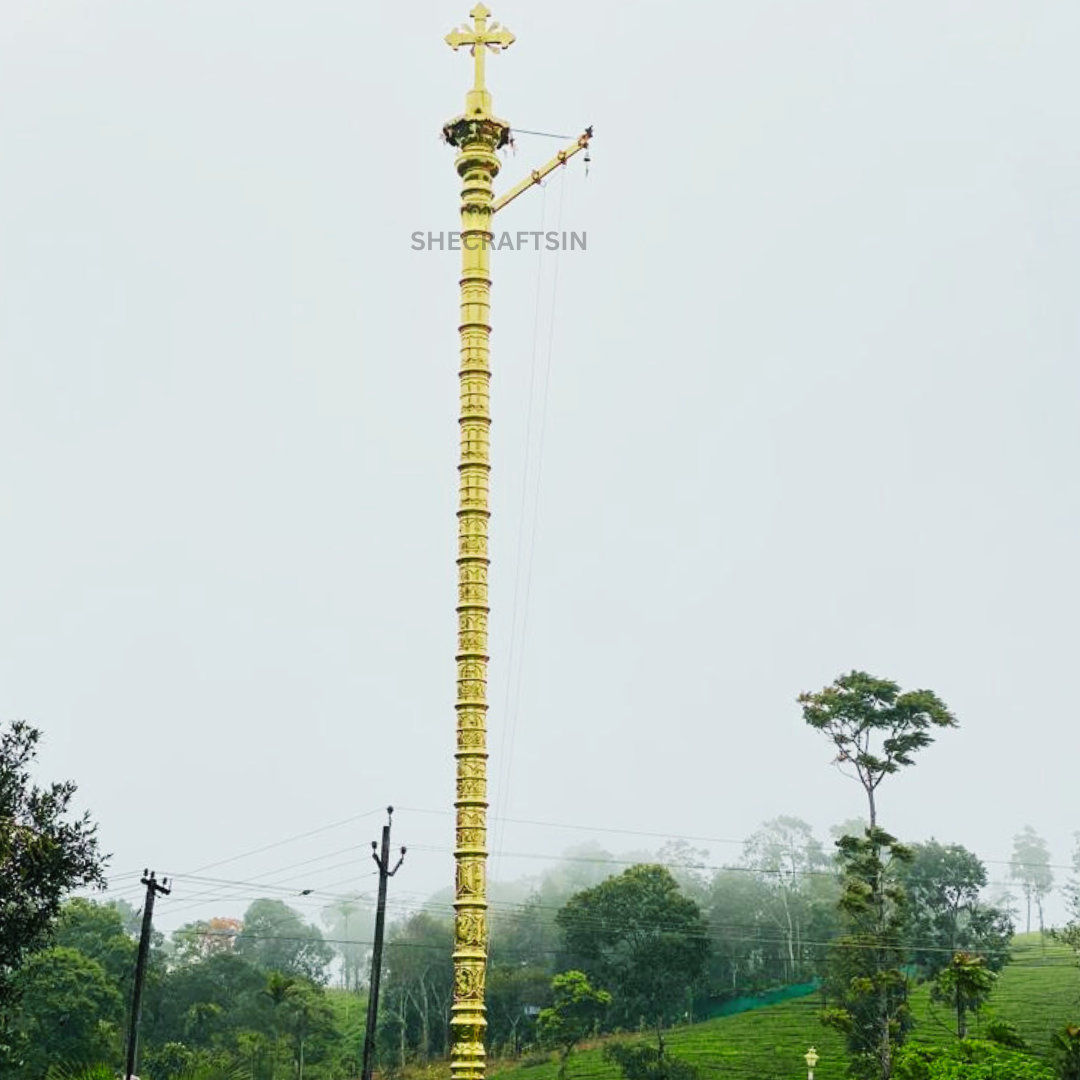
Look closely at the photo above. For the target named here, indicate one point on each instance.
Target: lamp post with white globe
(811, 1061)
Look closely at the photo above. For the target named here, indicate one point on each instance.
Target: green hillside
(1039, 991)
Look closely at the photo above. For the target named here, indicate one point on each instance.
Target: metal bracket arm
(537, 175)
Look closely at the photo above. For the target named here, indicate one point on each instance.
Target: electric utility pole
(385, 874)
(477, 135)
(153, 887)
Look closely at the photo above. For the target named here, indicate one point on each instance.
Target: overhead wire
(677, 836)
(215, 889)
(287, 840)
(756, 940)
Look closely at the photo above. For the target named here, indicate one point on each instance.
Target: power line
(676, 836)
(287, 840)
(869, 942)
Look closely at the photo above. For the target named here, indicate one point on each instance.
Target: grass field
(1039, 991)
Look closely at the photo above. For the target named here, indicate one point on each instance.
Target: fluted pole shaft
(477, 164)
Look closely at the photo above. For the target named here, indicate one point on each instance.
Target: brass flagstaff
(476, 134)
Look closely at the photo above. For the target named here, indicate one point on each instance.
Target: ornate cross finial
(480, 38)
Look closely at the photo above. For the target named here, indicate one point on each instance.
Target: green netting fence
(760, 1000)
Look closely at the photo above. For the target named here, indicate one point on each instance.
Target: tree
(875, 727)
(854, 826)
(276, 993)
(638, 936)
(309, 1019)
(575, 1012)
(1072, 886)
(44, 854)
(69, 1011)
(581, 867)
(97, 931)
(1030, 867)
(964, 985)
(687, 865)
(1070, 934)
(276, 938)
(418, 984)
(525, 934)
(866, 979)
(741, 958)
(643, 1062)
(351, 923)
(943, 884)
(785, 853)
(511, 991)
(204, 938)
(201, 1000)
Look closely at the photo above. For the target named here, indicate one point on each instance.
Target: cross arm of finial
(456, 38)
(498, 37)
(494, 37)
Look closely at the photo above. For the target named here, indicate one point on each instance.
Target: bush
(971, 1059)
(642, 1061)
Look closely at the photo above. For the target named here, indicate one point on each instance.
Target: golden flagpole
(477, 134)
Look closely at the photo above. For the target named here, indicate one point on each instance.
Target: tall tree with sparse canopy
(1072, 886)
(45, 853)
(877, 729)
(1031, 869)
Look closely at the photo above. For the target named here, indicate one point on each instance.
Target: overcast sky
(808, 402)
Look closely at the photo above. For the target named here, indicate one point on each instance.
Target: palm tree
(277, 991)
(965, 984)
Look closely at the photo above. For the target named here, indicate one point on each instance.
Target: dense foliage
(969, 1060)
(577, 952)
(43, 853)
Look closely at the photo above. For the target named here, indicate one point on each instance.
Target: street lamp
(811, 1061)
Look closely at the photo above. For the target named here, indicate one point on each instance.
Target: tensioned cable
(540, 134)
(503, 764)
(516, 708)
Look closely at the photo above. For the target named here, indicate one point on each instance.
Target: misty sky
(808, 402)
